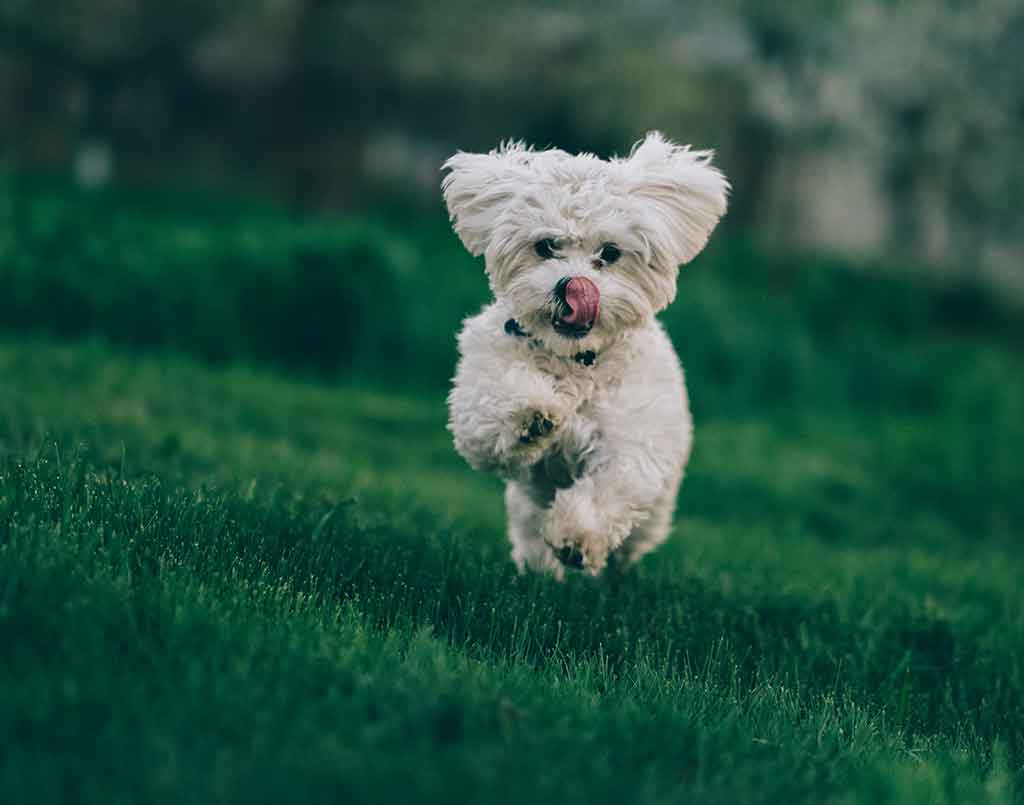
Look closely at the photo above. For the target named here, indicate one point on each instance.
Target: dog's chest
(585, 384)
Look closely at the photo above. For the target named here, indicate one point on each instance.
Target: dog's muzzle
(577, 306)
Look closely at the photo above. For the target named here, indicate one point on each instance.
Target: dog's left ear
(477, 189)
(685, 195)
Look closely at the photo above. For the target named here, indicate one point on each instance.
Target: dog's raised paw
(531, 437)
(536, 426)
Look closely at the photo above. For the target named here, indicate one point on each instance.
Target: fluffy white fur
(602, 474)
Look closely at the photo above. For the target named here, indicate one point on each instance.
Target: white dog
(567, 385)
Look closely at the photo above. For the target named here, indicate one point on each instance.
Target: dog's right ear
(477, 189)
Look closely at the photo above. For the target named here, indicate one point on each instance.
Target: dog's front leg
(504, 418)
(594, 517)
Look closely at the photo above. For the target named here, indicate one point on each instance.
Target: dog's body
(567, 385)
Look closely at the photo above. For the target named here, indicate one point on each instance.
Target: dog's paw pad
(535, 428)
(570, 556)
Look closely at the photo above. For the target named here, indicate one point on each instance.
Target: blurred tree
(103, 69)
(927, 97)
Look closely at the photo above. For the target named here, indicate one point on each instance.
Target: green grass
(233, 586)
(224, 582)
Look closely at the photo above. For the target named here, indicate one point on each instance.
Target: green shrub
(332, 297)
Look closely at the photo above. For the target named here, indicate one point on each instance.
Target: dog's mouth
(568, 330)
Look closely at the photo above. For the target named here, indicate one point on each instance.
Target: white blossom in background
(94, 165)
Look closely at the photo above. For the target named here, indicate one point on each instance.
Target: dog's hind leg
(607, 506)
(525, 523)
(649, 534)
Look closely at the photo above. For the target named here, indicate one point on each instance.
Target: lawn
(240, 561)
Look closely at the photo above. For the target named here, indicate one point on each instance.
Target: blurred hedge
(228, 280)
(324, 296)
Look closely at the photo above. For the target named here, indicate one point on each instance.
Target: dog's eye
(545, 248)
(610, 253)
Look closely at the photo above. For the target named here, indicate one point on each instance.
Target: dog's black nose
(560, 288)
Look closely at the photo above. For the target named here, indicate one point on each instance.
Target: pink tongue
(584, 301)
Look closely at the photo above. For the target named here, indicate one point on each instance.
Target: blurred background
(868, 128)
(260, 181)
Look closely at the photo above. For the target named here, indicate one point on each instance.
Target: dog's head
(579, 248)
